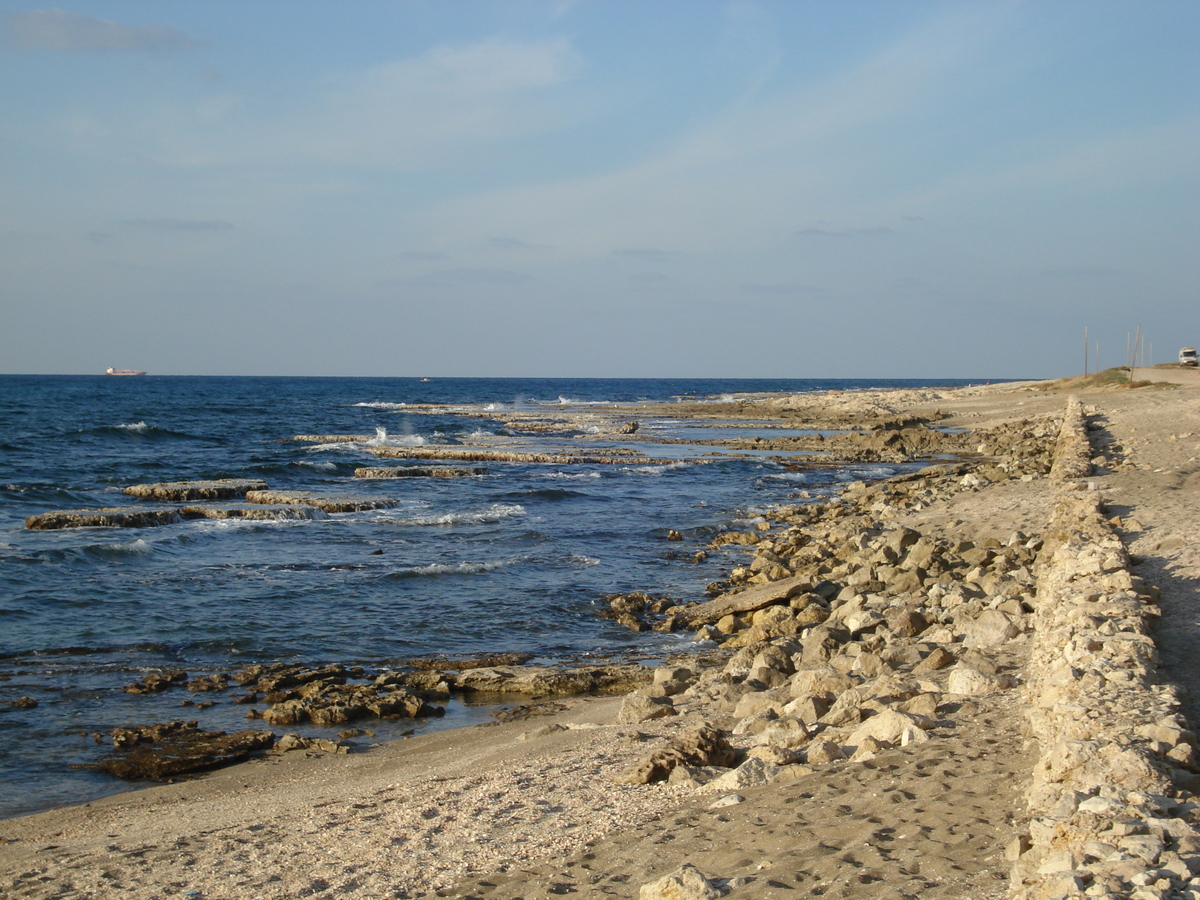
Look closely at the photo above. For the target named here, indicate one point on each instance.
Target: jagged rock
(159, 752)
(702, 746)
(537, 681)
(156, 682)
(638, 707)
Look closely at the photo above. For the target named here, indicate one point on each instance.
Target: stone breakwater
(855, 636)
(1106, 814)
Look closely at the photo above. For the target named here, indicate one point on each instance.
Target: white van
(1187, 356)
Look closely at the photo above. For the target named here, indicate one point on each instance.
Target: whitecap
(319, 466)
(497, 512)
(136, 427)
(379, 404)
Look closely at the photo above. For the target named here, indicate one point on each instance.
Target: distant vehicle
(111, 371)
(1187, 356)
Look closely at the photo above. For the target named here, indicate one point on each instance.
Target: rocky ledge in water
(110, 517)
(220, 489)
(418, 471)
(475, 454)
(160, 752)
(254, 511)
(329, 504)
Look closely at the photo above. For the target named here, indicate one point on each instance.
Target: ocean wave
(320, 466)
(383, 439)
(785, 477)
(657, 470)
(497, 512)
(572, 476)
(381, 404)
(456, 568)
(137, 547)
(547, 494)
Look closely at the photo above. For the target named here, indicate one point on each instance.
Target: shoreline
(447, 795)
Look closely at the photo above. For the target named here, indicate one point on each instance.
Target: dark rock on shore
(163, 751)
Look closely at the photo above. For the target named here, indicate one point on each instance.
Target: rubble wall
(1107, 817)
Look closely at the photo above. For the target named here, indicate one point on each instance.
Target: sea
(519, 559)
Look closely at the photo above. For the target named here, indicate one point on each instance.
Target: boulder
(702, 746)
(637, 707)
(686, 883)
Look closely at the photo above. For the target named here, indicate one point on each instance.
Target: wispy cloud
(472, 276)
(68, 32)
(179, 224)
(648, 254)
(877, 231)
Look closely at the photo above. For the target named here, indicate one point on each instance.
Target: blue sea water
(515, 560)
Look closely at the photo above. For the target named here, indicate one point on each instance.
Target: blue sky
(605, 188)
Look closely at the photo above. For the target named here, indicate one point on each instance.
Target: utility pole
(1085, 349)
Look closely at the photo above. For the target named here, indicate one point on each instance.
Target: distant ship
(111, 371)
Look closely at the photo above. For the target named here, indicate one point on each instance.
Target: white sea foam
(136, 427)
(497, 512)
(379, 404)
(319, 466)
(572, 476)
(383, 439)
(458, 568)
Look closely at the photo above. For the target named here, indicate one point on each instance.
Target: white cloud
(68, 32)
(413, 112)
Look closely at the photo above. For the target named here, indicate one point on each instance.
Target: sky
(598, 188)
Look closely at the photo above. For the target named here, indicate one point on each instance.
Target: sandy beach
(981, 791)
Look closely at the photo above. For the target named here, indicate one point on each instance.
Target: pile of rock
(1106, 818)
